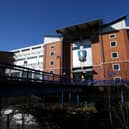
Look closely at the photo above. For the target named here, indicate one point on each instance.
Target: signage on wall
(82, 53)
(111, 73)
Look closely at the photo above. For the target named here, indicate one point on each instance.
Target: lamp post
(0, 105)
(7, 112)
(60, 59)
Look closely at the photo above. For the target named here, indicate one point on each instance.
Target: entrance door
(79, 76)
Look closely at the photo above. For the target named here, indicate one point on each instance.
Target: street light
(60, 59)
(7, 112)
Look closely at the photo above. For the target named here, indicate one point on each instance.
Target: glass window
(116, 67)
(25, 50)
(113, 44)
(36, 47)
(20, 59)
(117, 79)
(40, 56)
(32, 57)
(114, 54)
(52, 47)
(37, 75)
(51, 62)
(16, 52)
(51, 72)
(52, 53)
(15, 74)
(24, 74)
(30, 75)
(112, 35)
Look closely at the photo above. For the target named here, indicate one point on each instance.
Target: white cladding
(31, 57)
(119, 25)
(50, 39)
(82, 45)
(116, 26)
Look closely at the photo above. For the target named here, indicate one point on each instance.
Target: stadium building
(90, 51)
(30, 57)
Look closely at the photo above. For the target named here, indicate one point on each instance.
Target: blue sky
(24, 22)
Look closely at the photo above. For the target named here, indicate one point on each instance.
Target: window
(116, 67)
(20, 59)
(32, 57)
(40, 56)
(25, 63)
(112, 36)
(52, 47)
(36, 47)
(24, 74)
(16, 52)
(37, 75)
(52, 53)
(114, 54)
(51, 62)
(117, 79)
(15, 74)
(52, 72)
(25, 50)
(30, 75)
(113, 44)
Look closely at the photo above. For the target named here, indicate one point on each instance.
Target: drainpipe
(102, 53)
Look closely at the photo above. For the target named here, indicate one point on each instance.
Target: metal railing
(14, 72)
(9, 71)
(101, 82)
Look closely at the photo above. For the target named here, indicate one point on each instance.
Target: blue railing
(99, 82)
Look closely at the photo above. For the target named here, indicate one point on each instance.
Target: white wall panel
(86, 46)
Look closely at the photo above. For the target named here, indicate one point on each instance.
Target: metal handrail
(18, 72)
(10, 71)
